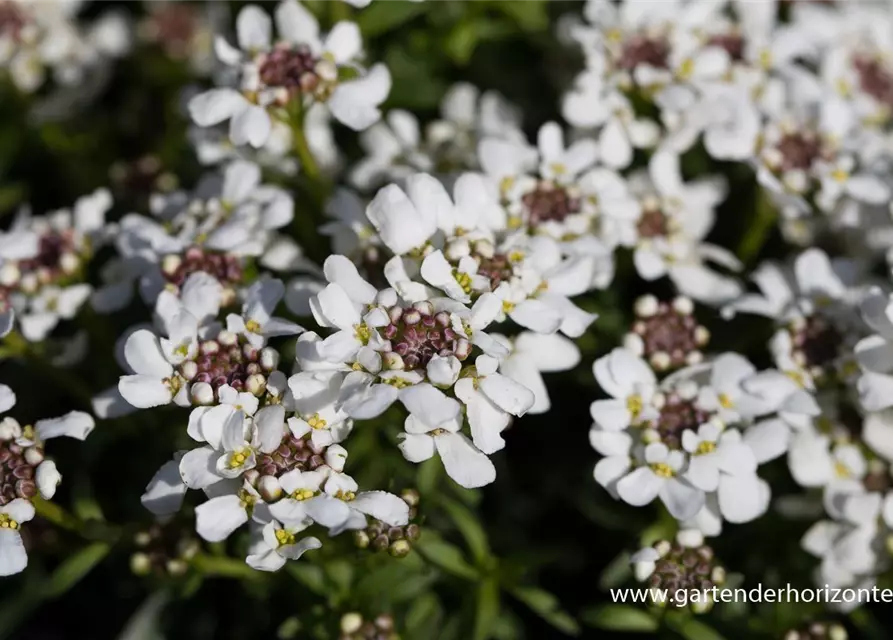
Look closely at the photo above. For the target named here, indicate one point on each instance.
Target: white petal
(343, 272)
(344, 42)
(507, 394)
(7, 398)
(253, 28)
(383, 506)
(355, 103)
(416, 447)
(265, 561)
(443, 371)
(611, 415)
(767, 439)
(639, 487)
(216, 106)
(327, 511)
(463, 462)
(74, 424)
(742, 498)
(703, 473)
(144, 392)
(143, 353)
(611, 469)
(250, 126)
(165, 491)
(217, 518)
(296, 24)
(877, 432)
(198, 468)
(682, 500)
(47, 478)
(536, 316)
(13, 558)
(429, 404)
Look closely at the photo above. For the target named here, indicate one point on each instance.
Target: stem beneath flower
(764, 220)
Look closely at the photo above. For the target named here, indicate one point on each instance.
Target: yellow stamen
(316, 422)
(362, 333)
(302, 494)
(283, 537)
(705, 447)
(663, 470)
(725, 401)
(634, 405)
(6, 522)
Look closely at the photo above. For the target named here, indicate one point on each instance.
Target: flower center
(7, 523)
(670, 338)
(17, 472)
(417, 335)
(289, 67)
(292, 453)
(643, 49)
(12, 20)
(549, 202)
(816, 345)
(498, 268)
(303, 494)
(653, 223)
(662, 469)
(705, 447)
(284, 538)
(226, 269)
(224, 361)
(875, 78)
(684, 568)
(677, 416)
(173, 26)
(238, 457)
(316, 422)
(731, 42)
(799, 150)
(634, 405)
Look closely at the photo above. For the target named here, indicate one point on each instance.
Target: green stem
(223, 567)
(763, 222)
(57, 515)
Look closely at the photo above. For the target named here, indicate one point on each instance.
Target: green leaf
(464, 38)
(529, 16)
(471, 530)
(423, 617)
(620, 617)
(428, 474)
(310, 575)
(691, 628)
(486, 609)
(547, 607)
(340, 574)
(145, 623)
(75, 568)
(445, 555)
(396, 581)
(616, 573)
(381, 17)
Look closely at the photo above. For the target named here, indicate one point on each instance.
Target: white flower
(268, 80)
(875, 353)
(222, 514)
(304, 499)
(660, 476)
(13, 557)
(463, 462)
(406, 220)
(533, 354)
(257, 322)
(277, 544)
(631, 383)
(381, 505)
(491, 399)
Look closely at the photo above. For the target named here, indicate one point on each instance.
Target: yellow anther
(797, 377)
(705, 447)
(516, 256)
(840, 175)
(283, 537)
(316, 422)
(506, 183)
(558, 168)
(246, 500)
(840, 470)
(356, 366)
(507, 306)
(238, 458)
(252, 326)
(765, 58)
(400, 383)
(362, 333)
(514, 222)
(7, 522)
(347, 496)
(634, 405)
(463, 279)
(662, 469)
(686, 69)
(302, 494)
(725, 401)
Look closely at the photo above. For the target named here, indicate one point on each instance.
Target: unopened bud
(269, 358)
(69, 262)
(176, 567)
(9, 274)
(410, 497)
(393, 361)
(269, 488)
(202, 393)
(227, 338)
(188, 370)
(400, 549)
(336, 456)
(380, 543)
(424, 307)
(33, 456)
(252, 476)
(413, 532)
(646, 306)
(361, 539)
(170, 264)
(142, 539)
(256, 384)
(140, 564)
(351, 622)
(47, 478)
(837, 632)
